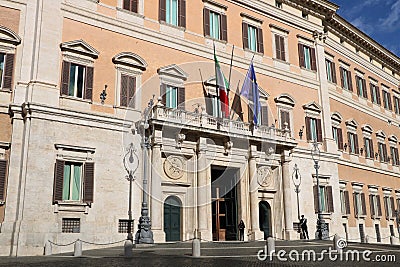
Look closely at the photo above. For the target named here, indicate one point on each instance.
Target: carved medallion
(174, 167)
(264, 176)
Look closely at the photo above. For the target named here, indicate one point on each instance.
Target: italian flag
(222, 87)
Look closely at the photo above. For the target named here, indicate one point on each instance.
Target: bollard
(196, 249)
(270, 245)
(78, 248)
(47, 248)
(128, 246)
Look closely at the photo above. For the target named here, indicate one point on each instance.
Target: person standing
(241, 227)
(304, 228)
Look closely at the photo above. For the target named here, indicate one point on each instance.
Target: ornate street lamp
(144, 234)
(296, 177)
(131, 164)
(322, 231)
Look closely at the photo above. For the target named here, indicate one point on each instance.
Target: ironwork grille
(123, 226)
(71, 225)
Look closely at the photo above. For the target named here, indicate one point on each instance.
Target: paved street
(218, 254)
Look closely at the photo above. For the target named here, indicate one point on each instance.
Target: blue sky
(380, 19)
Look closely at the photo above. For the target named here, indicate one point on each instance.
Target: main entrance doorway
(264, 210)
(172, 219)
(224, 203)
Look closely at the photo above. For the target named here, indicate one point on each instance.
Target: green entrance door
(172, 219)
(265, 218)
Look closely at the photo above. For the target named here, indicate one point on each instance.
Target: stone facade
(43, 122)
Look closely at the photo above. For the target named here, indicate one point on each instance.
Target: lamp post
(322, 231)
(296, 177)
(131, 164)
(144, 235)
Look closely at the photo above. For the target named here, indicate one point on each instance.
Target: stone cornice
(350, 55)
(353, 35)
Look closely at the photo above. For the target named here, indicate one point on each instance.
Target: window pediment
(173, 71)
(336, 117)
(381, 134)
(367, 128)
(80, 47)
(9, 36)
(285, 99)
(351, 123)
(312, 106)
(393, 139)
(130, 59)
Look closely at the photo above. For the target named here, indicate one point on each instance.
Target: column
(290, 234)
(156, 197)
(253, 191)
(203, 191)
(329, 142)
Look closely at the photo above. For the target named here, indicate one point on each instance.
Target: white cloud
(363, 25)
(392, 21)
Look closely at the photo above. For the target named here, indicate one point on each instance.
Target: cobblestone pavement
(221, 255)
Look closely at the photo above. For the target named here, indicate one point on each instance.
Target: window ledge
(374, 217)
(253, 52)
(72, 206)
(76, 99)
(310, 70)
(173, 26)
(2, 203)
(361, 217)
(346, 216)
(281, 61)
(215, 40)
(130, 12)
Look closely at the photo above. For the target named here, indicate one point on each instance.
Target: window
(173, 97)
(375, 205)
(77, 71)
(391, 229)
(278, 4)
(73, 181)
(123, 226)
(131, 5)
(285, 119)
(128, 88)
(382, 151)
(314, 130)
(353, 143)
(369, 148)
(361, 87)
(330, 71)
(280, 47)
(389, 207)
(215, 25)
(396, 104)
(304, 15)
(387, 102)
(326, 200)
(307, 57)
(173, 12)
(338, 136)
(359, 204)
(252, 38)
(378, 233)
(71, 225)
(345, 78)
(394, 154)
(344, 202)
(9, 41)
(375, 94)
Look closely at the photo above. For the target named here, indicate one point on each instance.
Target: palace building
(78, 75)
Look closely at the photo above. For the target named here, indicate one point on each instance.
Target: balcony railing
(206, 121)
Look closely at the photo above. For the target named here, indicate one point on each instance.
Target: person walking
(304, 228)
(241, 227)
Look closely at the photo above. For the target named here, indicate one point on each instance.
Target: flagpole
(230, 74)
(216, 85)
(237, 93)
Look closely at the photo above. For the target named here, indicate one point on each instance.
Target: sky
(380, 19)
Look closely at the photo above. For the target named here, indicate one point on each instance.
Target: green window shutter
(181, 98)
(316, 200)
(88, 182)
(260, 41)
(329, 196)
(8, 72)
(206, 21)
(245, 35)
(89, 83)
(3, 177)
(124, 91)
(313, 59)
(163, 94)
(182, 13)
(65, 78)
(347, 200)
(319, 130)
(308, 128)
(58, 181)
(301, 55)
(162, 10)
(131, 91)
(224, 28)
